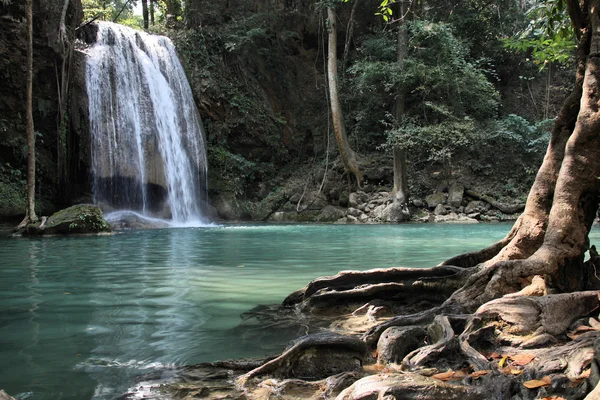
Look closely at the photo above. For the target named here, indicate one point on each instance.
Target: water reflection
(80, 317)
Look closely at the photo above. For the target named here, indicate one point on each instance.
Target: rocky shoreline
(452, 204)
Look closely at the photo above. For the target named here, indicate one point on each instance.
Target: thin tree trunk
(400, 194)
(152, 12)
(145, 13)
(346, 153)
(62, 27)
(29, 118)
(349, 33)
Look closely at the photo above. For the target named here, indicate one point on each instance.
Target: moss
(82, 218)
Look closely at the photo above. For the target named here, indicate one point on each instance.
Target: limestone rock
(417, 203)
(433, 200)
(78, 219)
(392, 213)
(351, 219)
(331, 214)
(440, 210)
(475, 206)
(354, 212)
(455, 194)
(455, 218)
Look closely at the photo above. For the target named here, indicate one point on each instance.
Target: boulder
(334, 194)
(344, 199)
(455, 194)
(354, 212)
(392, 213)
(351, 219)
(78, 219)
(440, 210)
(362, 196)
(331, 214)
(226, 207)
(377, 212)
(475, 206)
(354, 200)
(417, 203)
(433, 200)
(455, 218)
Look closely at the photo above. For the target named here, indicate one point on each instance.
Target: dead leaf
(554, 398)
(477, 374)
(494, 355)
(578, 331)
(511, 370)
(537, 383)
(584, 375)
(522, 359)
(375, 354)
(444, 376)
(502, 361)
(460, 374)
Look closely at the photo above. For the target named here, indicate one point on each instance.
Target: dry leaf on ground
(537, 383)
(477, 374)
(445, 376)
(522, 359)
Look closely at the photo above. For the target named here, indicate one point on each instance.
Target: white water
(148, 152)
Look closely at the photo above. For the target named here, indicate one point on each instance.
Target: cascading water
(148, 152)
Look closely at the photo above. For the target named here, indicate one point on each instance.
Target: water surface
(80, 317)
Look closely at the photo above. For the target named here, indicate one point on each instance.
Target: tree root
(336, 351)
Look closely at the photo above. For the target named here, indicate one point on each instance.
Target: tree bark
(400, 191)
(347, 155)
(31, 216)
(145, 13)
(152, 12)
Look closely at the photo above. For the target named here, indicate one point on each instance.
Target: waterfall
(148, 152)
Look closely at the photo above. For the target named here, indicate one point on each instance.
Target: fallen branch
(505, 208)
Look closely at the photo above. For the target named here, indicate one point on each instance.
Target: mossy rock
(78, 219)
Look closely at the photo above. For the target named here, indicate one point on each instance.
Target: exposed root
(335, 351)
(441, 334)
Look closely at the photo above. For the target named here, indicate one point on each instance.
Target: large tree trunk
(29, 118)
(346, 153)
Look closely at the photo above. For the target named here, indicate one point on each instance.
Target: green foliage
(444, 92)
(549, 37)
(234, 170)
(108, 9)
(13, 190)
